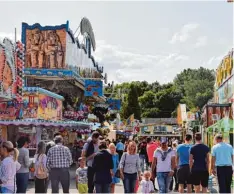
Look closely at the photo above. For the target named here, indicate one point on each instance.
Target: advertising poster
(45, 46)
(49, 108)
(8, 86)
(114, 104)
(93, 88)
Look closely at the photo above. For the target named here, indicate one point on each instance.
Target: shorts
(82, 188)
(184, 175)
(200, 178)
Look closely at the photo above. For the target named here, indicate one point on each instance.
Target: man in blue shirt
(182, 158)
(120, 148)
(222, 159)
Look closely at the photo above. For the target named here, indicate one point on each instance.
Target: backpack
(41, 171)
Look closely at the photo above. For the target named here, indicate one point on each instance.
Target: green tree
(132, 106)
(195, 86)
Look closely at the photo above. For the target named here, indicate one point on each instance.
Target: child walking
(81, 176)
(146, 184)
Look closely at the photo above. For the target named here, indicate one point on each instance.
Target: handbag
(117, 174)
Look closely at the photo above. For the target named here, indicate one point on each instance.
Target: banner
(114, 104)
(93, 88)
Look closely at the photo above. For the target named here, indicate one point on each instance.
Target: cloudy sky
(138, 40)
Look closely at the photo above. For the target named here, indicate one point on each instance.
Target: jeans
(143, 160)
(102, 188)
(22, 182)
(60, 175)
(129, 182)
(163, 181)
(91, 179)
(6, 190)
(224, 174)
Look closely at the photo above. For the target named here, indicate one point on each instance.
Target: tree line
(194, 87)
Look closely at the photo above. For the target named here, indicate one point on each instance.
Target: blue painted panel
(93, 88)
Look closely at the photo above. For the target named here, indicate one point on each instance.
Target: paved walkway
(119, 187)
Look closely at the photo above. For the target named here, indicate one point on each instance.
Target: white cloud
(184, 34)
(201, 41)
(123, 65)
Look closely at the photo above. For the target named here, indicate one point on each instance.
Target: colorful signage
(225, 70)
(8, 85)
(114, 104)
(93, 88)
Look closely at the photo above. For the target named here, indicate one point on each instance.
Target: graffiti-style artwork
(45, 46)
(8, 87)
(49, 108)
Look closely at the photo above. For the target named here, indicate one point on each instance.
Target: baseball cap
(163, 140)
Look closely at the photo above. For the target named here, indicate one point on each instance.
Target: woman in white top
(41, 173)
(9, 167)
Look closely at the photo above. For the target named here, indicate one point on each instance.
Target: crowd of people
(101, 164)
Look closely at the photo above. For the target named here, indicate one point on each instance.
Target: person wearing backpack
(41, 172)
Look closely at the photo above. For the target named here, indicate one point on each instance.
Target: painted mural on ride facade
(42, 104)
(54, 51)
(45, 46)
(8, 84)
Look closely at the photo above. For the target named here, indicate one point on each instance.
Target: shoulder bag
(117, 174)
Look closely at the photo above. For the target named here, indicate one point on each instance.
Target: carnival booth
(39, 117)
(218, 117)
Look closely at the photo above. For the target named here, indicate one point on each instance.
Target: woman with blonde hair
(115, 159)
(130, 168)
(9, 167)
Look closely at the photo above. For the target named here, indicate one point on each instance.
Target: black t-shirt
(199, 152)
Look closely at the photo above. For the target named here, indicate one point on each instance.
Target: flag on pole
(130, 120)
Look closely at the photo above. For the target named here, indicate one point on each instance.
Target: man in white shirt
(163, 163)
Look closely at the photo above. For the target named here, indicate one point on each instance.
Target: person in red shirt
(151, 147)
